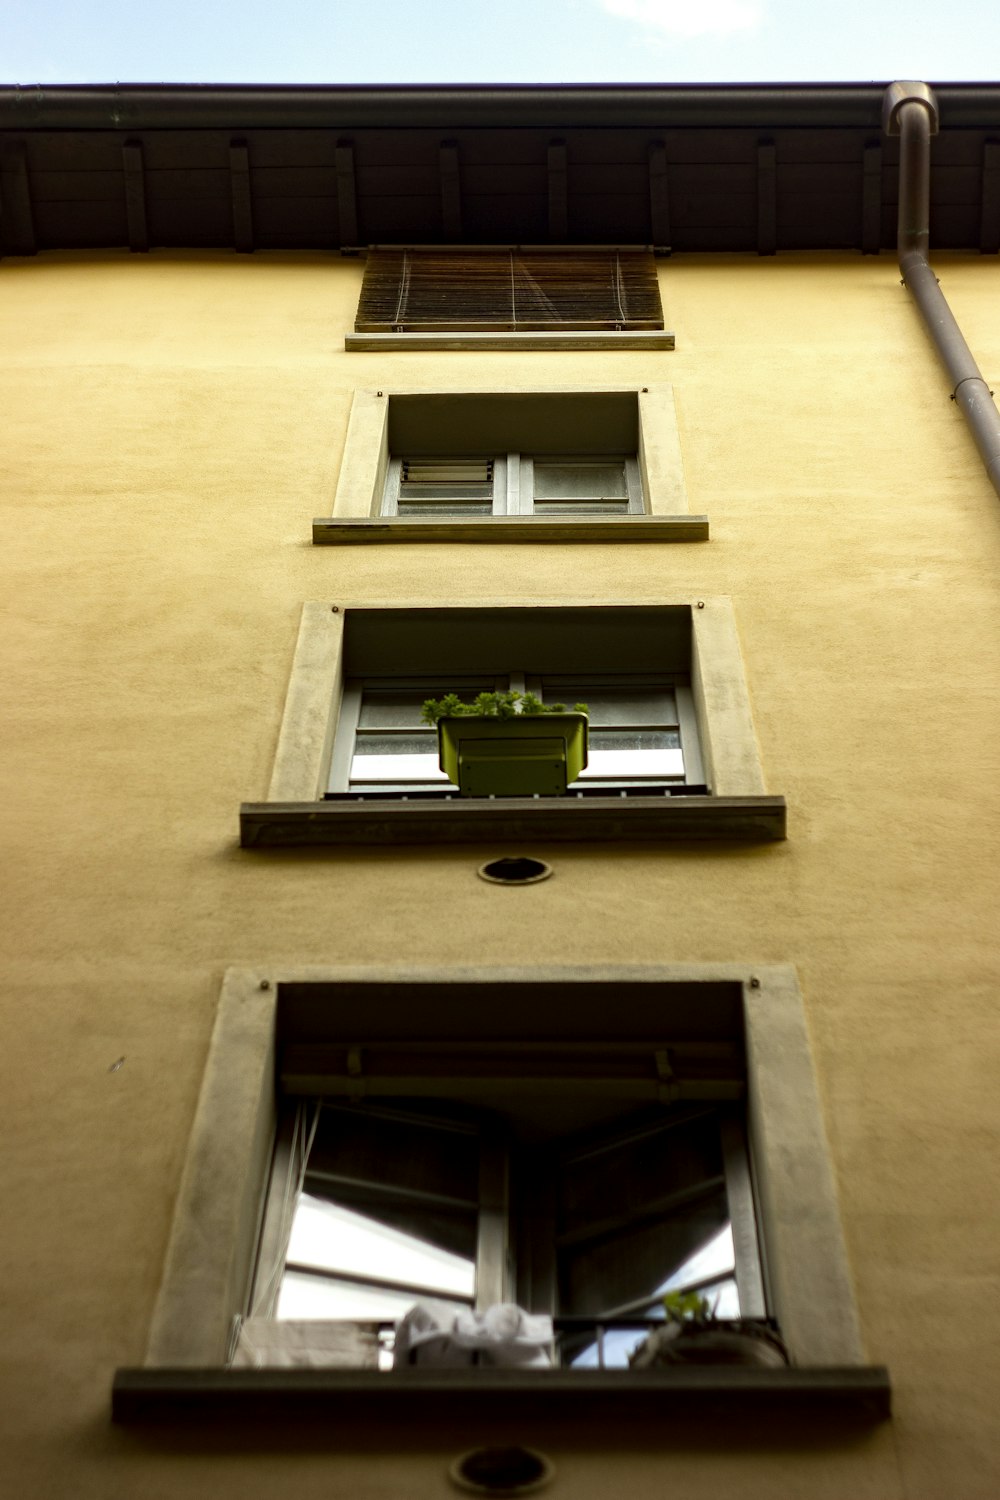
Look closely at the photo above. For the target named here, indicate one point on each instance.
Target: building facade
(317, 404)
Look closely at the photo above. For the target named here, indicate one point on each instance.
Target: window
(512, 466)
(598, 1124)
(376, 1203)
(525, 297)
(642, 729)
(673, 752)
(512, 484)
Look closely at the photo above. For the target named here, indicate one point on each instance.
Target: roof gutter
(910, 111)
(239, 106)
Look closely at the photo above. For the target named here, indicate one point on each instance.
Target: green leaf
(502, 705)
(683, 1307)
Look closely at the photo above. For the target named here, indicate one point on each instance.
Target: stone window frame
(737, 808)
(357, 504)
(217, 1216)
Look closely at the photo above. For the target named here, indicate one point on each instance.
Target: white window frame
(345, 734)
(513, 486)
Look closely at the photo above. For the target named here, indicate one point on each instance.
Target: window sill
(636, 338)
(330, 531)
(858, 1394)
(738, 820)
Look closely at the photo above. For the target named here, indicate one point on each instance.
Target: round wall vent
(501, 1471)
(517, 870)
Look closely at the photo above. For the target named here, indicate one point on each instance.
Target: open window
(586, 1209)
(511, 466)
(672, 748)
(581, 1139)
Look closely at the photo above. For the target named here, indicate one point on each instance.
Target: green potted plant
(693, 1335)
(508, 744)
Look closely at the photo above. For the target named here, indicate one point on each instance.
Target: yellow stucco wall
(170, 426)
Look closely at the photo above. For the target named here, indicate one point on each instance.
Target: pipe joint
(965, 380)
(908, 92)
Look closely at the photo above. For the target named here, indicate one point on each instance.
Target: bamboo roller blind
(517, 290)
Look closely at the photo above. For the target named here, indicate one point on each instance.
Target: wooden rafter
(135, 196)
(767, 198)
(451, 190)
(347, 194)
(558, 196)
(659, 196)
(871, 200)
(239, 186)
(17, 220)
(989, 216)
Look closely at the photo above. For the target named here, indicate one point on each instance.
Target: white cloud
(689, 18)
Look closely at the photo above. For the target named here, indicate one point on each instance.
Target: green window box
(519, 756)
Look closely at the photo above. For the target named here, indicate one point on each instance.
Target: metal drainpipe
(910, 111)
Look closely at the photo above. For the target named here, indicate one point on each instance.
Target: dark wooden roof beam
(451, 190)
(767, 198)
(17, 222)
(558, 195)
(135, 196)
(659, 198)
(239, 187)
(871, 201)
(989, 216)
(347, 194)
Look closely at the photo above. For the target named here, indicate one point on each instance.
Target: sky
(513, 41)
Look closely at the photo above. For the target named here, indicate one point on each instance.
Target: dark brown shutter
(518, 290)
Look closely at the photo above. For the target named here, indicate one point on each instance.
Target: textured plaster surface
(171, 424)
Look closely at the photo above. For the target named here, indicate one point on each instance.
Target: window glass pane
(633, 1211)
(327, 1235)
(443, 505)
(428, 1151)
(396, 757)
(412, 757)
(636, 752)
(378, 770)
(304, 1296)
(371, 742)
(713, 1259)
(628, 1264)
(627, 741)
(575, 507)
(648, 754)
(607, 705)
(390, 1196)
(580, 480)
(401, 707)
